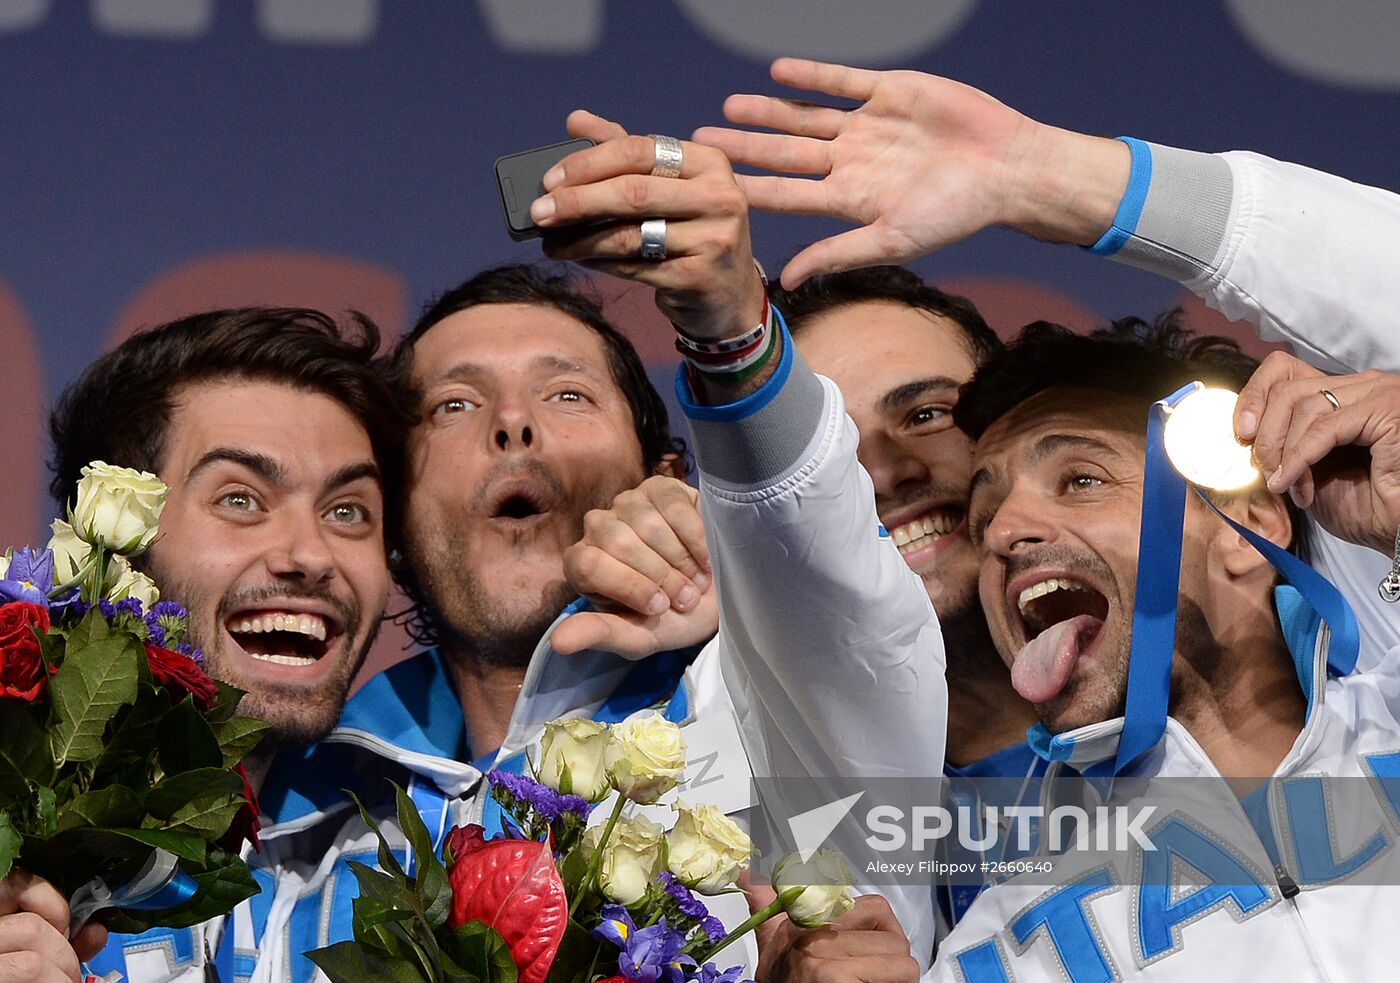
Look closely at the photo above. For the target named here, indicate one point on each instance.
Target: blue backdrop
(162, 155)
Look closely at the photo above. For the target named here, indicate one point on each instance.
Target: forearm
(1066, 187)
(1306, 257)
(829, 647)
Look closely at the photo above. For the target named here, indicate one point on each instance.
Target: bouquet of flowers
(556, 900)
(119, 755)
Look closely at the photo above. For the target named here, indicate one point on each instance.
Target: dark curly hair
(1132, 357)
(889, 283)
(119, 409)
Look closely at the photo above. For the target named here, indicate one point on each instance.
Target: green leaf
(24, 752)
(225, 703)
(103, 807)
(178, 791)
(87, 690)
(479, 950)
(132, 739)
(353, 962)
(434, 891)
(386, 856)
(52, 645)
(238, 736)
(72, 857)
(576, 949)
(45, 810)
(187, 741)
(383, 898)
(573, 871)
(93, 628)
(187, 846)
(10, 843)
(210, 816)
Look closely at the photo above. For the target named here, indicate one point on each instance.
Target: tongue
(1043, 667)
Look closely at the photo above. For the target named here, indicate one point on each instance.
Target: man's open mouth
(1059, 618)
(282, 637)
(926, 529)
(518, 501)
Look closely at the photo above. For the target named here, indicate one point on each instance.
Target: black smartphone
(520, 178)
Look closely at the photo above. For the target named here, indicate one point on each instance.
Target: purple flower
(713, 928)
(563, 804)
(687, 903)
(155, 633)
(548, 803)
(617, 925)
(648, 954)
(710, 973)
(169, 609)
(29, 577)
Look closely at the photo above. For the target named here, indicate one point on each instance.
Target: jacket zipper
(1287, 886)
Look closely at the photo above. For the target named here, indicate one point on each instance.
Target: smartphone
(520, 178)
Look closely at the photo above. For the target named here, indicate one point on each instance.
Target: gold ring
(1331, 397)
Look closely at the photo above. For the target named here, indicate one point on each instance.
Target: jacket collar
(409, 716)
(1092, 748)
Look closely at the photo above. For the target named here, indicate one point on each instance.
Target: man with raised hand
(923, 162)
(816, 604)
(277, 440)
(1275, 243)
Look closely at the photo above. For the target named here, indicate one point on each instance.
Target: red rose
(513, 886)
(246, 821)
(22, 675)
(181, 674)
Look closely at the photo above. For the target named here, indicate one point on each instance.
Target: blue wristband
(1125, 220)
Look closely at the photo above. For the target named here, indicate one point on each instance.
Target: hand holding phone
(520, 178)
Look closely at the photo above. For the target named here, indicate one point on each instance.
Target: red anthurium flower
(462, 840)
(513, 886)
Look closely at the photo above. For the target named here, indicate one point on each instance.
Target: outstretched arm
(828, 644)
(922, 162)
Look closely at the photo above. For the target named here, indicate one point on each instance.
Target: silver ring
(669, 156)
(1331, 397)
(654, 238)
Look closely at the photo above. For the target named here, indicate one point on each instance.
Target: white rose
(827, 880)
(4, 565)
(706, 849)
(646, 757)
(132, 583)
(118, 508)
(69, 552)
(575, 748)
(631, 858)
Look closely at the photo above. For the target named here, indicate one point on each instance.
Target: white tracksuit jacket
(821, 620)
(1312, 260)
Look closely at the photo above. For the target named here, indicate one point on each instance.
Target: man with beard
(277, 440)
(1260, 684)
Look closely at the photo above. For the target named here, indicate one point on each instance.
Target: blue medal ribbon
(1158, 587)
